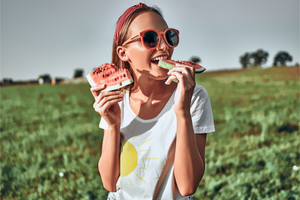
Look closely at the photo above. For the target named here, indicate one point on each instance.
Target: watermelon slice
(170, 64)
(111, 76)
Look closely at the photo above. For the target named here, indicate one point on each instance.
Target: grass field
(50, 140)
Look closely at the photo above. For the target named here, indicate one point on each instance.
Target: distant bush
(78, 73)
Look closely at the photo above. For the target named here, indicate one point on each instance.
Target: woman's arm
(189, 162)
(109, 163)
(106, 104)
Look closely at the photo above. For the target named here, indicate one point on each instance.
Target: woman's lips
(155, 62)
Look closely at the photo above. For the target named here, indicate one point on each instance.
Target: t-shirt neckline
(168, 104)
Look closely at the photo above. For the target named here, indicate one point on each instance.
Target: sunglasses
(151, 38)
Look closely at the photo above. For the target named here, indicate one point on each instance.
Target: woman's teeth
(160, 58)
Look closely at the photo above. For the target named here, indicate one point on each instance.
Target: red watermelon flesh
(104, 70)
(111, 76)
(170, 64)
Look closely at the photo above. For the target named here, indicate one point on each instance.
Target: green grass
(47, 130)
(256, 144)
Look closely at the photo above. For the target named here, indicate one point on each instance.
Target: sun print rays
(133, 129)
(140, 178)
(144, 142)
(150, 158)
(130, 182)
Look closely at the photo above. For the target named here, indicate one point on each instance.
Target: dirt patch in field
(223, 72)
(271, 73)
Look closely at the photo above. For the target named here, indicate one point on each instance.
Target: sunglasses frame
(161, 34)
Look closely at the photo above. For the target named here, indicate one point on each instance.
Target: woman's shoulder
(200, 95)
(200, 90)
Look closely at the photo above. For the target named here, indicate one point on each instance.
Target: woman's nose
(162, 45)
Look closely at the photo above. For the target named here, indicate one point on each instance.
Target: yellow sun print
(128, 159)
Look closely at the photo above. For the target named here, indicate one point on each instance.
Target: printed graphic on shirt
(132, 160)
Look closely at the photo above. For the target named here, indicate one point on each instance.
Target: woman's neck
(148, 97)
(146, 89)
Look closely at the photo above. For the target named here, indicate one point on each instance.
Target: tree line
(257, 58)
(248, 60)
(42, 79)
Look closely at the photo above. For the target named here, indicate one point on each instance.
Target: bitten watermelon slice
(170, 64)
(111, 76)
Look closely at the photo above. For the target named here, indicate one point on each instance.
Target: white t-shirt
(147, 153)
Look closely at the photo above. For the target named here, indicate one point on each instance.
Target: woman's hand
(185, 87)
(106, 104)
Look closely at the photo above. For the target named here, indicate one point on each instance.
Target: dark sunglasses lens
(150, 39)
(172, 37)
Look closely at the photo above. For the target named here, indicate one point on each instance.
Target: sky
(58, 36)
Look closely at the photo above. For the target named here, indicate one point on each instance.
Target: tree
(78, 73)
(195, 59)
(45, 78)
(281, 58)
(254, 59)
(260, 57)
(245, 60)
(6, 81)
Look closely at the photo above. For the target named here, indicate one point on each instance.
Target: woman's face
(141, 59)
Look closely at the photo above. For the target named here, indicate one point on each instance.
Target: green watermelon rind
(165, 65)
(118, 86)
(110, 88)
(90, 80)
(198, 71)
(171, 66)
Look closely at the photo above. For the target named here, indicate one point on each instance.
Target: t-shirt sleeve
(103, 124)
(201, 111)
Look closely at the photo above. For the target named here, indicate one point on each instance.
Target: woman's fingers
(102, 109)
(170, 79)
(183, 74)
(189, 69)
(105, 94)
(179, 75)
(96, 90)
(105, 100)
(108, 98)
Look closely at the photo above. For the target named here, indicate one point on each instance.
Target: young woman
(154, 132)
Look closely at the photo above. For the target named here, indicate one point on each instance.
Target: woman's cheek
(140, 58)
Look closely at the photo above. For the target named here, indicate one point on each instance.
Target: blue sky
(59, 36)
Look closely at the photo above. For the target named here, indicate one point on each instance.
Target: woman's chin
(154, 65)
(157, 74)
(154, 72)
(160, 73)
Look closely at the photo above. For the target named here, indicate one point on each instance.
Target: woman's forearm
(188, 164)
(109, 163)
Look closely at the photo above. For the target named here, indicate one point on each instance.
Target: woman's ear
(122, 53)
